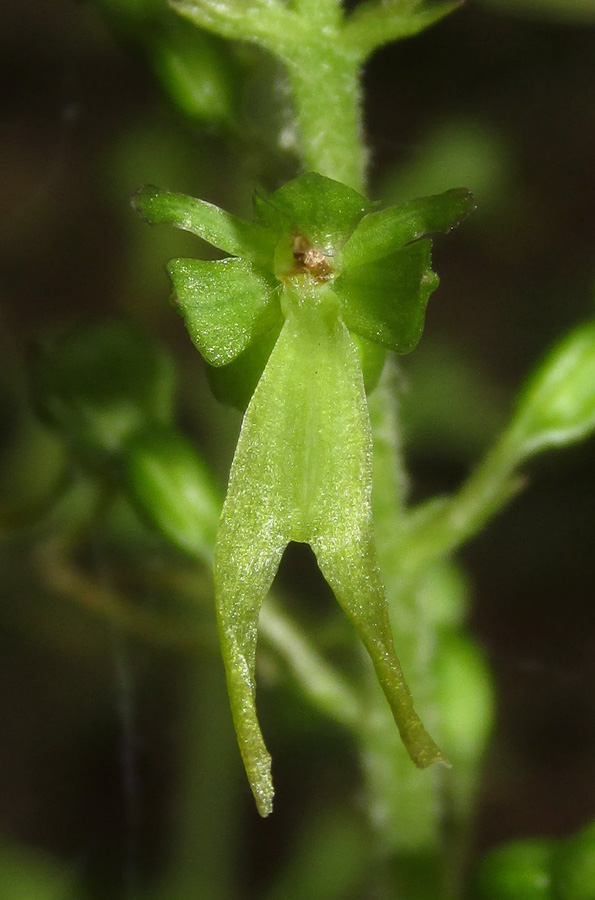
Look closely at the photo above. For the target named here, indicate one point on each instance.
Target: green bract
(316, 272)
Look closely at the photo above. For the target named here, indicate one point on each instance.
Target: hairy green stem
(403, 804)
(324, 13)
(327, 96)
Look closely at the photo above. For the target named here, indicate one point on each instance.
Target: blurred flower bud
(101, 384)
(465, 697)
(574, 866)
(558, 405)
(196, 70)
(517, 871)
(172, 487)
(444, 594)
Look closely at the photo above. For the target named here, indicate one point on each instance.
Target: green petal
(385, 231)
(302, 471)
(372, 358)
(215, 226)
(225, 304)
(235, 383)
(322, 210)
(385, 301)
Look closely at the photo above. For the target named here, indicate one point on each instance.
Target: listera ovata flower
(314, 288)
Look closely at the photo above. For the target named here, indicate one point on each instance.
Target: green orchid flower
(315, 286)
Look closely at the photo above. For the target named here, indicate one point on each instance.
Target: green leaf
(225, 304)
(385, 301)
(558, 405)
(378, 22)
(324, 211)
(215, 226)
(385, 231)
(302, 471)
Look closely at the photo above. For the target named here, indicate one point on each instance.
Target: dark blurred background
(503, 104)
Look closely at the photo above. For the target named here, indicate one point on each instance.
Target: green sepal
(225, 304)
(302, 471)
(171, 487)
(221, 229)
(324, 211)
(385, 301)
(381, 233)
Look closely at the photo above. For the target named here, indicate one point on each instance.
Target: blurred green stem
(204, 832)
(325, 688)
(440, 527)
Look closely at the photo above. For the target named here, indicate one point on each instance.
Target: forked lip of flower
(302, 469)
